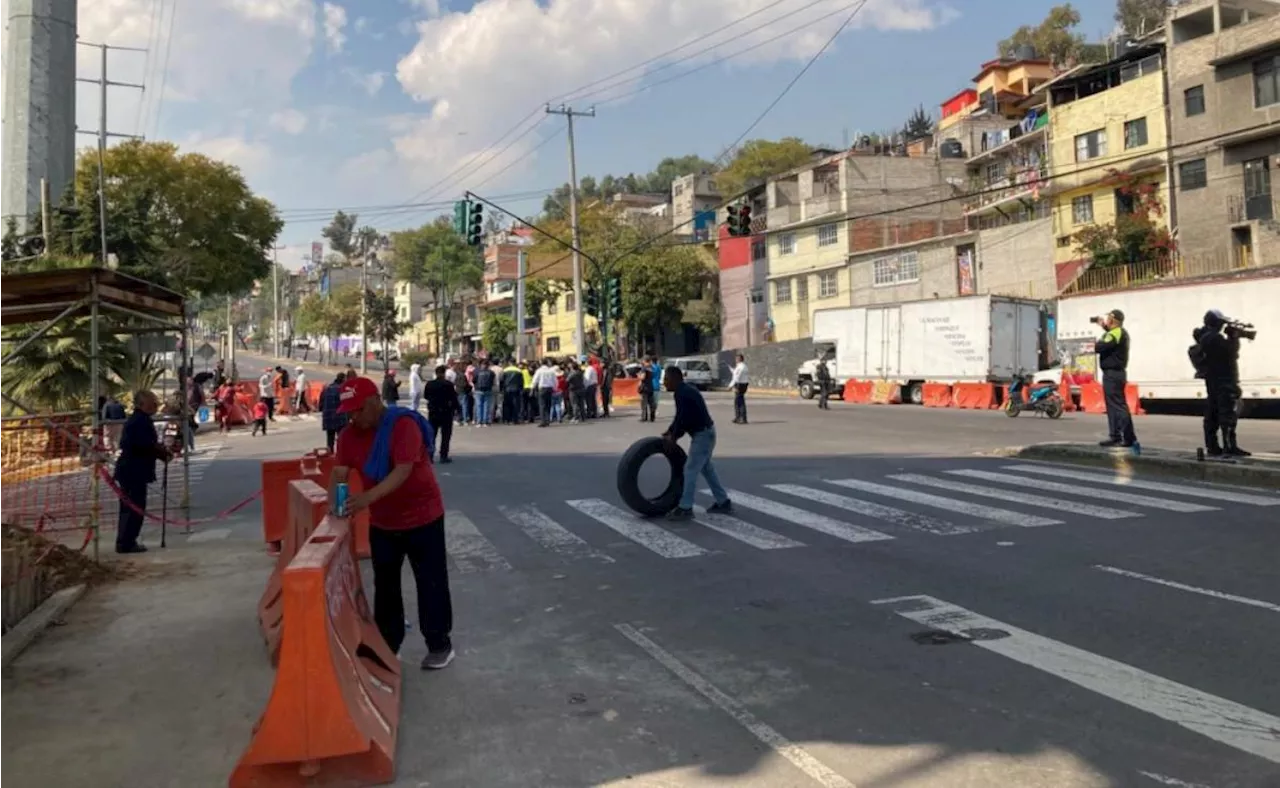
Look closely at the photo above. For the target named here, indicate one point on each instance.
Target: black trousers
(648, 405)
(590, 395)
(511, 406)
(544, 404)
(271, 407)
(1119, 420)
(331, 438)
(129, 527)
(824, 391)
(606, 398)
(1221, 397)
(740, 402)
(424, 546)
(444, 435)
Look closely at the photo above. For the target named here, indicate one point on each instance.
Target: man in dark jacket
(442, 408)
(390, 388)
(136, 468)
(1219, 356)
(484, 393)
(512, 391)
(1113, 361)
(331, 421)
(693, 419)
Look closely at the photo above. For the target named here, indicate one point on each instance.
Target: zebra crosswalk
(946, 502)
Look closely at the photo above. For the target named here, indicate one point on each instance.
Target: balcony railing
(822, 205)
(1145, 272)
(1003, 189)
(1261, 208)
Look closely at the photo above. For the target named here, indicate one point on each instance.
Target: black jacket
(1221, 357)
(442, 399)
(1113, 350)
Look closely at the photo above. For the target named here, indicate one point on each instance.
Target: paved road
(884, 608)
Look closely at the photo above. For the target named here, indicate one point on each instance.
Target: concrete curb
(1245, 473)
(28, 629)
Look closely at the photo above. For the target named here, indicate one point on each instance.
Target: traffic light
(739, 220)
(614, 288)
(593, 302)
(475, 224)
(460, 210)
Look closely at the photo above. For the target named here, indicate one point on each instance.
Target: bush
(410, 357)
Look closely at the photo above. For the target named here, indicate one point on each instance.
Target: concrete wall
(771, 366)
(937, 262)
(1017, 260)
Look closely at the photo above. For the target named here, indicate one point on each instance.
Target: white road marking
(950, 504)
(642, 532)
(1013, 496)
(1225, 721)
(821, 523)
(801, 758)
(1232, 496)
(1089, 492)
(1244, 600)
(912, 520)
(470, 550)
(1164, 779)
(743, 531)
(551, 534)
(209, 535)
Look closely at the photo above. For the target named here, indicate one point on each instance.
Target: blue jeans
(484, 407)
(701, 446)
(464, 408)
(557, 407)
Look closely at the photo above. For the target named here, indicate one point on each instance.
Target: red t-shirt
(259, 410)
(417, 501)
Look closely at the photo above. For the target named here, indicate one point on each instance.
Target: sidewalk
(1260, 470)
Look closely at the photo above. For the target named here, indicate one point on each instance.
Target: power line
(329, 211)
(153, 33)
(164, 69)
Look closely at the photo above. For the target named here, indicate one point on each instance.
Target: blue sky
(359, 103)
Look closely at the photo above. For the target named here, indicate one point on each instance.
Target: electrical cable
(164, 69)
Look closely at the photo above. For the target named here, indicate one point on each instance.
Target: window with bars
(828, 235)
(1135, 133)
(828, 284)
(759, 251)
(782, 291)
(1082, 209)
(787, 243)
(896, 270)
(802, 288)
(1091, 145)
(1191, 175)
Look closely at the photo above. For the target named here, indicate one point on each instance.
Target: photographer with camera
(1113, 361)
(1215, 355)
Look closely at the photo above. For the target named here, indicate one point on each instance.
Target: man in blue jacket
(693, 419)
(139, 449)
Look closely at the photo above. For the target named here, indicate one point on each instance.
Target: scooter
(1036, 397)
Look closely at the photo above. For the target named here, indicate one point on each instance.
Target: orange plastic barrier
(626, 391)
(320, 463)
(1091, 398)
(308, 505)
(1132, 398)
(936, 395)
(974, 396)
(276, 475)
(858, 391)
(1064, 391)
(885, 393)
(334, 711)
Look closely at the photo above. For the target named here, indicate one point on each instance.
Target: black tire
(1053, 409)
(629, 476)
(1011, 409)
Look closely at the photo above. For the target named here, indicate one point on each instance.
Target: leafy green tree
(556, 205)
(1055, 38)
(1133, 237)
(540, 292)
(656, 286)
(757, 160)
(182, 220)
(919, 125)
(1139, 17)
(382, 319)
(435, 258)
(499, 329)
(52, 373)
(340, 232)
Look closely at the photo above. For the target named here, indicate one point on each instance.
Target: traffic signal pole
(580, 334)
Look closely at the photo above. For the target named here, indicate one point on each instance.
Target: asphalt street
(884, 608)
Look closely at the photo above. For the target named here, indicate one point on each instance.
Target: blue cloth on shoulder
(378, 466)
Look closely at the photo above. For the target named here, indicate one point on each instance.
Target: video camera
(1237, 329)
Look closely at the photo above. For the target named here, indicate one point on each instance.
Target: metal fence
(1144, 272)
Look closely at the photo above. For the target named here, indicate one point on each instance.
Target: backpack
(1198, 358)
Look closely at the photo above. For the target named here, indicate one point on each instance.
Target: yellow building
(808, 271)
(999, 89)
(558, 321)
(1102, 120)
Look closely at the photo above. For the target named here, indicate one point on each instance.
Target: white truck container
(949, 340)
(1160, 319)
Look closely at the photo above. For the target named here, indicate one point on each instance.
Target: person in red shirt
(406, 515)
(260, 415)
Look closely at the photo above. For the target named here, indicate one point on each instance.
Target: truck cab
(807, 373)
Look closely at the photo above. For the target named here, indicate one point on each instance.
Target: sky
(392, 108)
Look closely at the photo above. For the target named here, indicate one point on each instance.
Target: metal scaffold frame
(53, 297)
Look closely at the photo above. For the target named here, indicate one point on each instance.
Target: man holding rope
(136, 468)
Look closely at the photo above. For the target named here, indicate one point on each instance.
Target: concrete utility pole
(103, 134)
(275, 299)
(521, 265)
(579, 331)
(364, 312)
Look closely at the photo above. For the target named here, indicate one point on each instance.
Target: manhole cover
(937, 637)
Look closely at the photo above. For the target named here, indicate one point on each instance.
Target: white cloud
(251, 157)
(289, 120)
(481, 69)
(370, 83)
(335, 19)
(431, 8)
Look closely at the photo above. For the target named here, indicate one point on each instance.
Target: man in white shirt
(300, 404)
(739, 384)
(267, 390)
(590, 379)
(544, 385)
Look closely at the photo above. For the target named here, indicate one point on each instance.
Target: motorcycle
(1024, 394)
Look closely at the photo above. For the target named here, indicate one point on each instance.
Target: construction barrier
(884, 392)
(276, 476)
(319, 462)
(936, 395)
(1064, 392)
(1092, 399)
(334, 711)
(858, 391)
(974, 396)
(626, 391)
(308, 505)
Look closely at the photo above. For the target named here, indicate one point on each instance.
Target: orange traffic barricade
(936, 395)
(320, 463)
(308, 505)
(334, 711)
(884, 392)
(626, 391)
(858, 391)
(276, 475)
(1091, 398)
(974, 396)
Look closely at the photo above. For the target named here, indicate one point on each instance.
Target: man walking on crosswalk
(693, 419)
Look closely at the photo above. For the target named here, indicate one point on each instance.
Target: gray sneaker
(437, 660)
(721, 508)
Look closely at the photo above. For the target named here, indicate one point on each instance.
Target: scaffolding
(113, 302)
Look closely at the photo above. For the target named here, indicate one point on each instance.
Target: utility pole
(580, 334)
(521, 265)
(275, 299)
(103, 134)
(364, 312)
(44, 214)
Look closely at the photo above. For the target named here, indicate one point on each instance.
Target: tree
(181, 220)
(1139, 17)
(52, 374)
(757, 160)
(329, 316)
(1054, 38)
(434, 257)
(383, 319)
(657, 284)
(538, 293)
(1134, 236)
(341, 234)
(920, 124)
(499, 330)
(556, 205)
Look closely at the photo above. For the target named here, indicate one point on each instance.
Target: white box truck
(947, 340)
(1160, 319)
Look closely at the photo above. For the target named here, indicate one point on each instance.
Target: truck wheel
(915, 393)
(629, 476)
(806, 389)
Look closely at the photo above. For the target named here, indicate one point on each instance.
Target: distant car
(697, 372)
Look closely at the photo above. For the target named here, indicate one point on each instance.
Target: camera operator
(1218, 346)
(1113, 361)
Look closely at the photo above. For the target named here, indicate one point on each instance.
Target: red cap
(354, 392)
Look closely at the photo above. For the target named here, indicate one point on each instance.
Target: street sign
(206, 351)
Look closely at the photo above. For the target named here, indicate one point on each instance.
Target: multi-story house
(558, 322)
(1224, 111)
(860, 199)
(1105, 121)
(744, 268)
(694, 201)
(411, 300)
